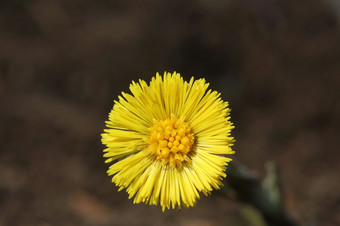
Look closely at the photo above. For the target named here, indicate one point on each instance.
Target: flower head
(168, 141)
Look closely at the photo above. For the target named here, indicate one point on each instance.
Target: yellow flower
(168, 141)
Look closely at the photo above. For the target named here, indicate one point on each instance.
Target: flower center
(171, 141)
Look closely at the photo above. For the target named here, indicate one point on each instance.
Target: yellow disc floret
(171, 140)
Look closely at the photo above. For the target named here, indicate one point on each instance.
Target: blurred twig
(265, 195)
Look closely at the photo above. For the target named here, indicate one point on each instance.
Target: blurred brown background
(62, 63)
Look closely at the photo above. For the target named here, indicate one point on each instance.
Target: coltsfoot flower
(168, 141)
